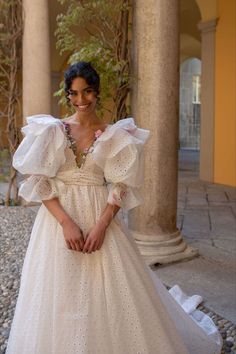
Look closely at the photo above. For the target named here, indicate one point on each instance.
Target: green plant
(97, 31)
(10, 61)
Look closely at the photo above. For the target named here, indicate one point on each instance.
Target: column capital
(208, 26)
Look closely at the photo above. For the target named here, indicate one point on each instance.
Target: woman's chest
(82, 138)
(88, 167)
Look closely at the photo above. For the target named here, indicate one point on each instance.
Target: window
(196, 98)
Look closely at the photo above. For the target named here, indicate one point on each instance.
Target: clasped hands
(75, 240)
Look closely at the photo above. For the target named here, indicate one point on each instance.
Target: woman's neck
(86, 121)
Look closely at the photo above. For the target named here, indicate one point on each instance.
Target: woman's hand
(73, 235)
(95, 237)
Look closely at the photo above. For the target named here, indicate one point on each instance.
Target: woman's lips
(82, 107)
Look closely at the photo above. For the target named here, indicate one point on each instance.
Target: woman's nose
(80, 97)
(75, 98)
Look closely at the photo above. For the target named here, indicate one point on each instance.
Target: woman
(84, 286)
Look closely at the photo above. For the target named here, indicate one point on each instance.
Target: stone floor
(207, 220)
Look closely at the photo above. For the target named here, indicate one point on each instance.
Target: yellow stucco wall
(225, 95)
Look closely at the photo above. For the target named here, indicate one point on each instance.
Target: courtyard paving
(207, 220)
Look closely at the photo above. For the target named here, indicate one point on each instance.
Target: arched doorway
(190, 88)
(190, 83)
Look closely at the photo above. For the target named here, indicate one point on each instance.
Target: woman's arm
(108, 214)
(97, 234)
(72, 233)
(54, 206)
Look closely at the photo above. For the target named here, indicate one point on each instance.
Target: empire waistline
(80, 179)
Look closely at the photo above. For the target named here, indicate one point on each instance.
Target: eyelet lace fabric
(109, 301)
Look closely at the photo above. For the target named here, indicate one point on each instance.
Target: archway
(190, 75)
(190, 87)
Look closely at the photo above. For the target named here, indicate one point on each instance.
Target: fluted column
(155, 107)
(36, 58)
(207, 133)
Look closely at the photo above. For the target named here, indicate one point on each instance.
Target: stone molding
(208, 26)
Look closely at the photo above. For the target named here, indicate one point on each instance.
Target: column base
(163, 248)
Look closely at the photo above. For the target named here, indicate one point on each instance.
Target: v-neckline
(73, 145)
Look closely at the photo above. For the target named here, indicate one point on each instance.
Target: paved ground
(207, 219)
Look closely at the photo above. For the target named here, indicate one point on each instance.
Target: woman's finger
(81, 244)
(68, 245)
(73, 245)
(94, 246)
(77, 245)
(91, 248)
(100, 245)
(86, 246)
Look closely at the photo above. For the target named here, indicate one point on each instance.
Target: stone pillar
(155, 107)
(36, 58)
(207, 100)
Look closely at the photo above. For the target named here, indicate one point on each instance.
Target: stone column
(207, 100)
(36, 58)
(155, 107)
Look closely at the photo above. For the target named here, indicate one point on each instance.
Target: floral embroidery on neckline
(72, 144)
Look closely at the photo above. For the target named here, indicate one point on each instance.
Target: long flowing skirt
(105, 302)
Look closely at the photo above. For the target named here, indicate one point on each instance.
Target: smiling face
(82, 96)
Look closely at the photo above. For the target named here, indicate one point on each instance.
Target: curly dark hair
(86, 71)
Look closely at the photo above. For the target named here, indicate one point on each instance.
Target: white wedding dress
(109, 301)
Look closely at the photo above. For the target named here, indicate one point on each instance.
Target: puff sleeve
(119, 152)
(40, 155)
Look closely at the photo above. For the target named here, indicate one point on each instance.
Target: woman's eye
(88, 91)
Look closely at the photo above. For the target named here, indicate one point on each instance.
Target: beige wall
(190, 37)
(208, 9)
(225, 95)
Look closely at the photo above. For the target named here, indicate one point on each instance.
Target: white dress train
(109, 301)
